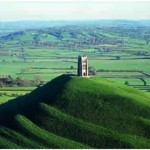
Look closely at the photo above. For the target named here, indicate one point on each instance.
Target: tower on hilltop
(83, 66)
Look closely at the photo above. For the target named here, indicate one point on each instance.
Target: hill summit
(77, 112)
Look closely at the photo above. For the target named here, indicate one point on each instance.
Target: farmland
(13, 92)
(40, 107)
(117, 51)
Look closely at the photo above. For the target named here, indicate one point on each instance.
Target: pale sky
(11, 10)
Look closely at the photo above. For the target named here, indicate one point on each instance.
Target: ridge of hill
(76, 112)
(77, 34)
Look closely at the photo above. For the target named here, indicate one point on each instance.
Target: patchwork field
(118, 52)
(7, 93)
(41, 108)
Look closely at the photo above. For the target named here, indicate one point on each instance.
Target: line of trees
(11, 82)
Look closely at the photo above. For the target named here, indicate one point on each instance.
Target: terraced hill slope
(74, 112)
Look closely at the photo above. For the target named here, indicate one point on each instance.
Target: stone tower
(83, 66)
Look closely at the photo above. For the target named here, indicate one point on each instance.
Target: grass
(76, 112)
(8, 93)
(4, 99)
(44, 137)
(17, 88)
(73, 112)
(141, 65)
(130, 81)
(88, 133)
(57, 58)
(18, 138)
(60, 57)
(101, 134)
(51, 58)
(5, 143)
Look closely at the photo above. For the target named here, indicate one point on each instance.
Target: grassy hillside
(76, 112)
(117, 49)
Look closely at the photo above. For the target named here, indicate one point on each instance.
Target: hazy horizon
(73, 20)
(73, 10)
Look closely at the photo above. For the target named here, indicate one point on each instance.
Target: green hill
(76, 112)
(77, 35)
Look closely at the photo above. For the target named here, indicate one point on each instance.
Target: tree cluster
(11, 82)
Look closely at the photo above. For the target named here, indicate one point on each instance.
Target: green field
(117, 52)
(7, 93)
(47, 64)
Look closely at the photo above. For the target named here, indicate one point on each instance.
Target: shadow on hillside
(27, 104)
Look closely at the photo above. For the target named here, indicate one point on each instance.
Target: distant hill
(14, 26)
(76, 112)
(31, 24)
(75, 34)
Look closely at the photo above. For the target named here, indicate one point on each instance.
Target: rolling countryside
(117, 50)
(44, 104)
